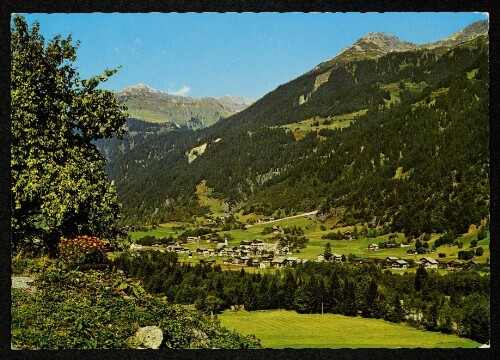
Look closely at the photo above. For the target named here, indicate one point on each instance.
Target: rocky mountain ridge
(377, 44)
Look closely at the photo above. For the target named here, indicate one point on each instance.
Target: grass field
(300, 128)
(288, 329)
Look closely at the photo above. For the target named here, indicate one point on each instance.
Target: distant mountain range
(154, 112)
(152, 105)
(386, 132)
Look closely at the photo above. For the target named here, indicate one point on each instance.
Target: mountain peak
(374, 44)
(142, 88)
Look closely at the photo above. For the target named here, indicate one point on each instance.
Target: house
(347, 235)
(267, 257)
(221, 245)
(372, 247)
(335, 257)
(227, 261)
(262, 266)
(429, 263)
(292, 260)
(455, 265)
(258, 244)
(399, 264)
(390, 260)
(472, 265)
(279, 262)
(442, 264)
(255, 262)
(356, 261)
(411, 252)
(321, 258)
(200, 250)
(390, 245)
(192, 239)
(135, 246)
(404, 244)
(207, 261)
(368, 261)
(176, 248)
(285, 250)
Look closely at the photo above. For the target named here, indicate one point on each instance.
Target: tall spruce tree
(59, 187)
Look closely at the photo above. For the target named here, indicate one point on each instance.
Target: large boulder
(148, 337)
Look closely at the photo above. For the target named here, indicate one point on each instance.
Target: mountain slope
(415, 156)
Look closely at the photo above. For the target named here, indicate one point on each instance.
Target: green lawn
(288, 329)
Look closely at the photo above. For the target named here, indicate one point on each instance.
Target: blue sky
(213, 54)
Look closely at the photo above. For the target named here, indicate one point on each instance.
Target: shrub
(482, 234)
(466, 255)
(82, 250)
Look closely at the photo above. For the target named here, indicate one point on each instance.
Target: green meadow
(288, 329)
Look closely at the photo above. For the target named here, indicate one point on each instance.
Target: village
(259, 254)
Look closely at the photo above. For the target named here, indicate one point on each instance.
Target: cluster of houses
(395, 263)
(255, 253)
(258, 253)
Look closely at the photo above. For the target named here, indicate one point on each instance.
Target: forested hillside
(415, 156)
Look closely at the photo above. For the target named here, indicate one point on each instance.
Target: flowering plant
(82, 250)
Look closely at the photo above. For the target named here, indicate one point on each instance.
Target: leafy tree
(475, 322)
(59, 186)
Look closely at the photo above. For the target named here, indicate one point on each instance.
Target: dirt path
(286, 218)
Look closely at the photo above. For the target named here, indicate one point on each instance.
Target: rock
(22, 282)
(148, 337)
(200, 335)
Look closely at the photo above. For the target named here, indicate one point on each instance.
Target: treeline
(453, 303)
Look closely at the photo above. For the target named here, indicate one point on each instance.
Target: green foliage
(94, 310)
(59, 187)
(475, 322)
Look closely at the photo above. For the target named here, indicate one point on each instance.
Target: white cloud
(183, 91)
